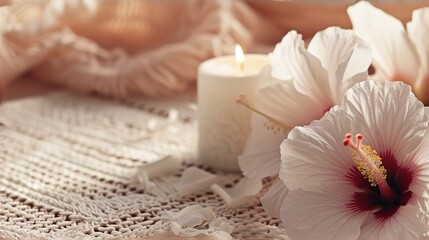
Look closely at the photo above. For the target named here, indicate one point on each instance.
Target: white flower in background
(371, 186)
(336, 59)
(399, 54)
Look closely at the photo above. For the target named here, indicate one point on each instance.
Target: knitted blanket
(68, 161)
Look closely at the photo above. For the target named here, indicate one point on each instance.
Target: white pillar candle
(224, 125)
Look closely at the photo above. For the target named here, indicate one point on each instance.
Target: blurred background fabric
(148, 47)
(116, 48)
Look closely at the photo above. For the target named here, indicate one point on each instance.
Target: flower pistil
(369, 164)
(275, 125)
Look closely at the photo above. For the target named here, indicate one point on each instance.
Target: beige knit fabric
(67, 163)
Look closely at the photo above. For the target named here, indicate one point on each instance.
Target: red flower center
(369, 197)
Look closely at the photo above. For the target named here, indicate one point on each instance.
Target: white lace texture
(68, 162)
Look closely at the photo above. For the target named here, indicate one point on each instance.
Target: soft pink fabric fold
(116, 48)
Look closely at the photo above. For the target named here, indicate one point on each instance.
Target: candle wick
(241, 66)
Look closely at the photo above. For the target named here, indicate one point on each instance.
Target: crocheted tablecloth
(67, 163)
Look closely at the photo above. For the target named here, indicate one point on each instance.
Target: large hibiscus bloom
(305, 84)
(374, 187)
(399, 54)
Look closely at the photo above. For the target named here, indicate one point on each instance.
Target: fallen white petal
(143, 178)
(205, 234)
(149, 186)
(196, 217)
(191, 232)
(154, 125)
(219, 235)
(173, 115)
(221, 224)
(242, 193)
(196, 220)
(190, 216)
(218, 229)
(160, 168)
(175, 228)
(193, 180)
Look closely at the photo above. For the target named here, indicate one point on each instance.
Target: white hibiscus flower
(373, 186)
(336, 59)
(399, 54)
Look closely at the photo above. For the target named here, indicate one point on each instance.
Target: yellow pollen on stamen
(274, 125)
(370, 164)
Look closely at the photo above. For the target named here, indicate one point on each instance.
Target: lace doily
(67, 164)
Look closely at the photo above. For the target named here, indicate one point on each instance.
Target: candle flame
(239, 57)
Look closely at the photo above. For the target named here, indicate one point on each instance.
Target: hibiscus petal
(314, 154)
(344, 55)
(389, 115)
(405, 224)
(261, 155)
(283, 101)
(278, 62)
(292, 59)
(394, 55)
(418, 30)
(272, 201)
(417, 163)
(320, 215)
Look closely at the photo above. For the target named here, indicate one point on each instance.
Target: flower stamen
(242, 100)
(369, 164)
